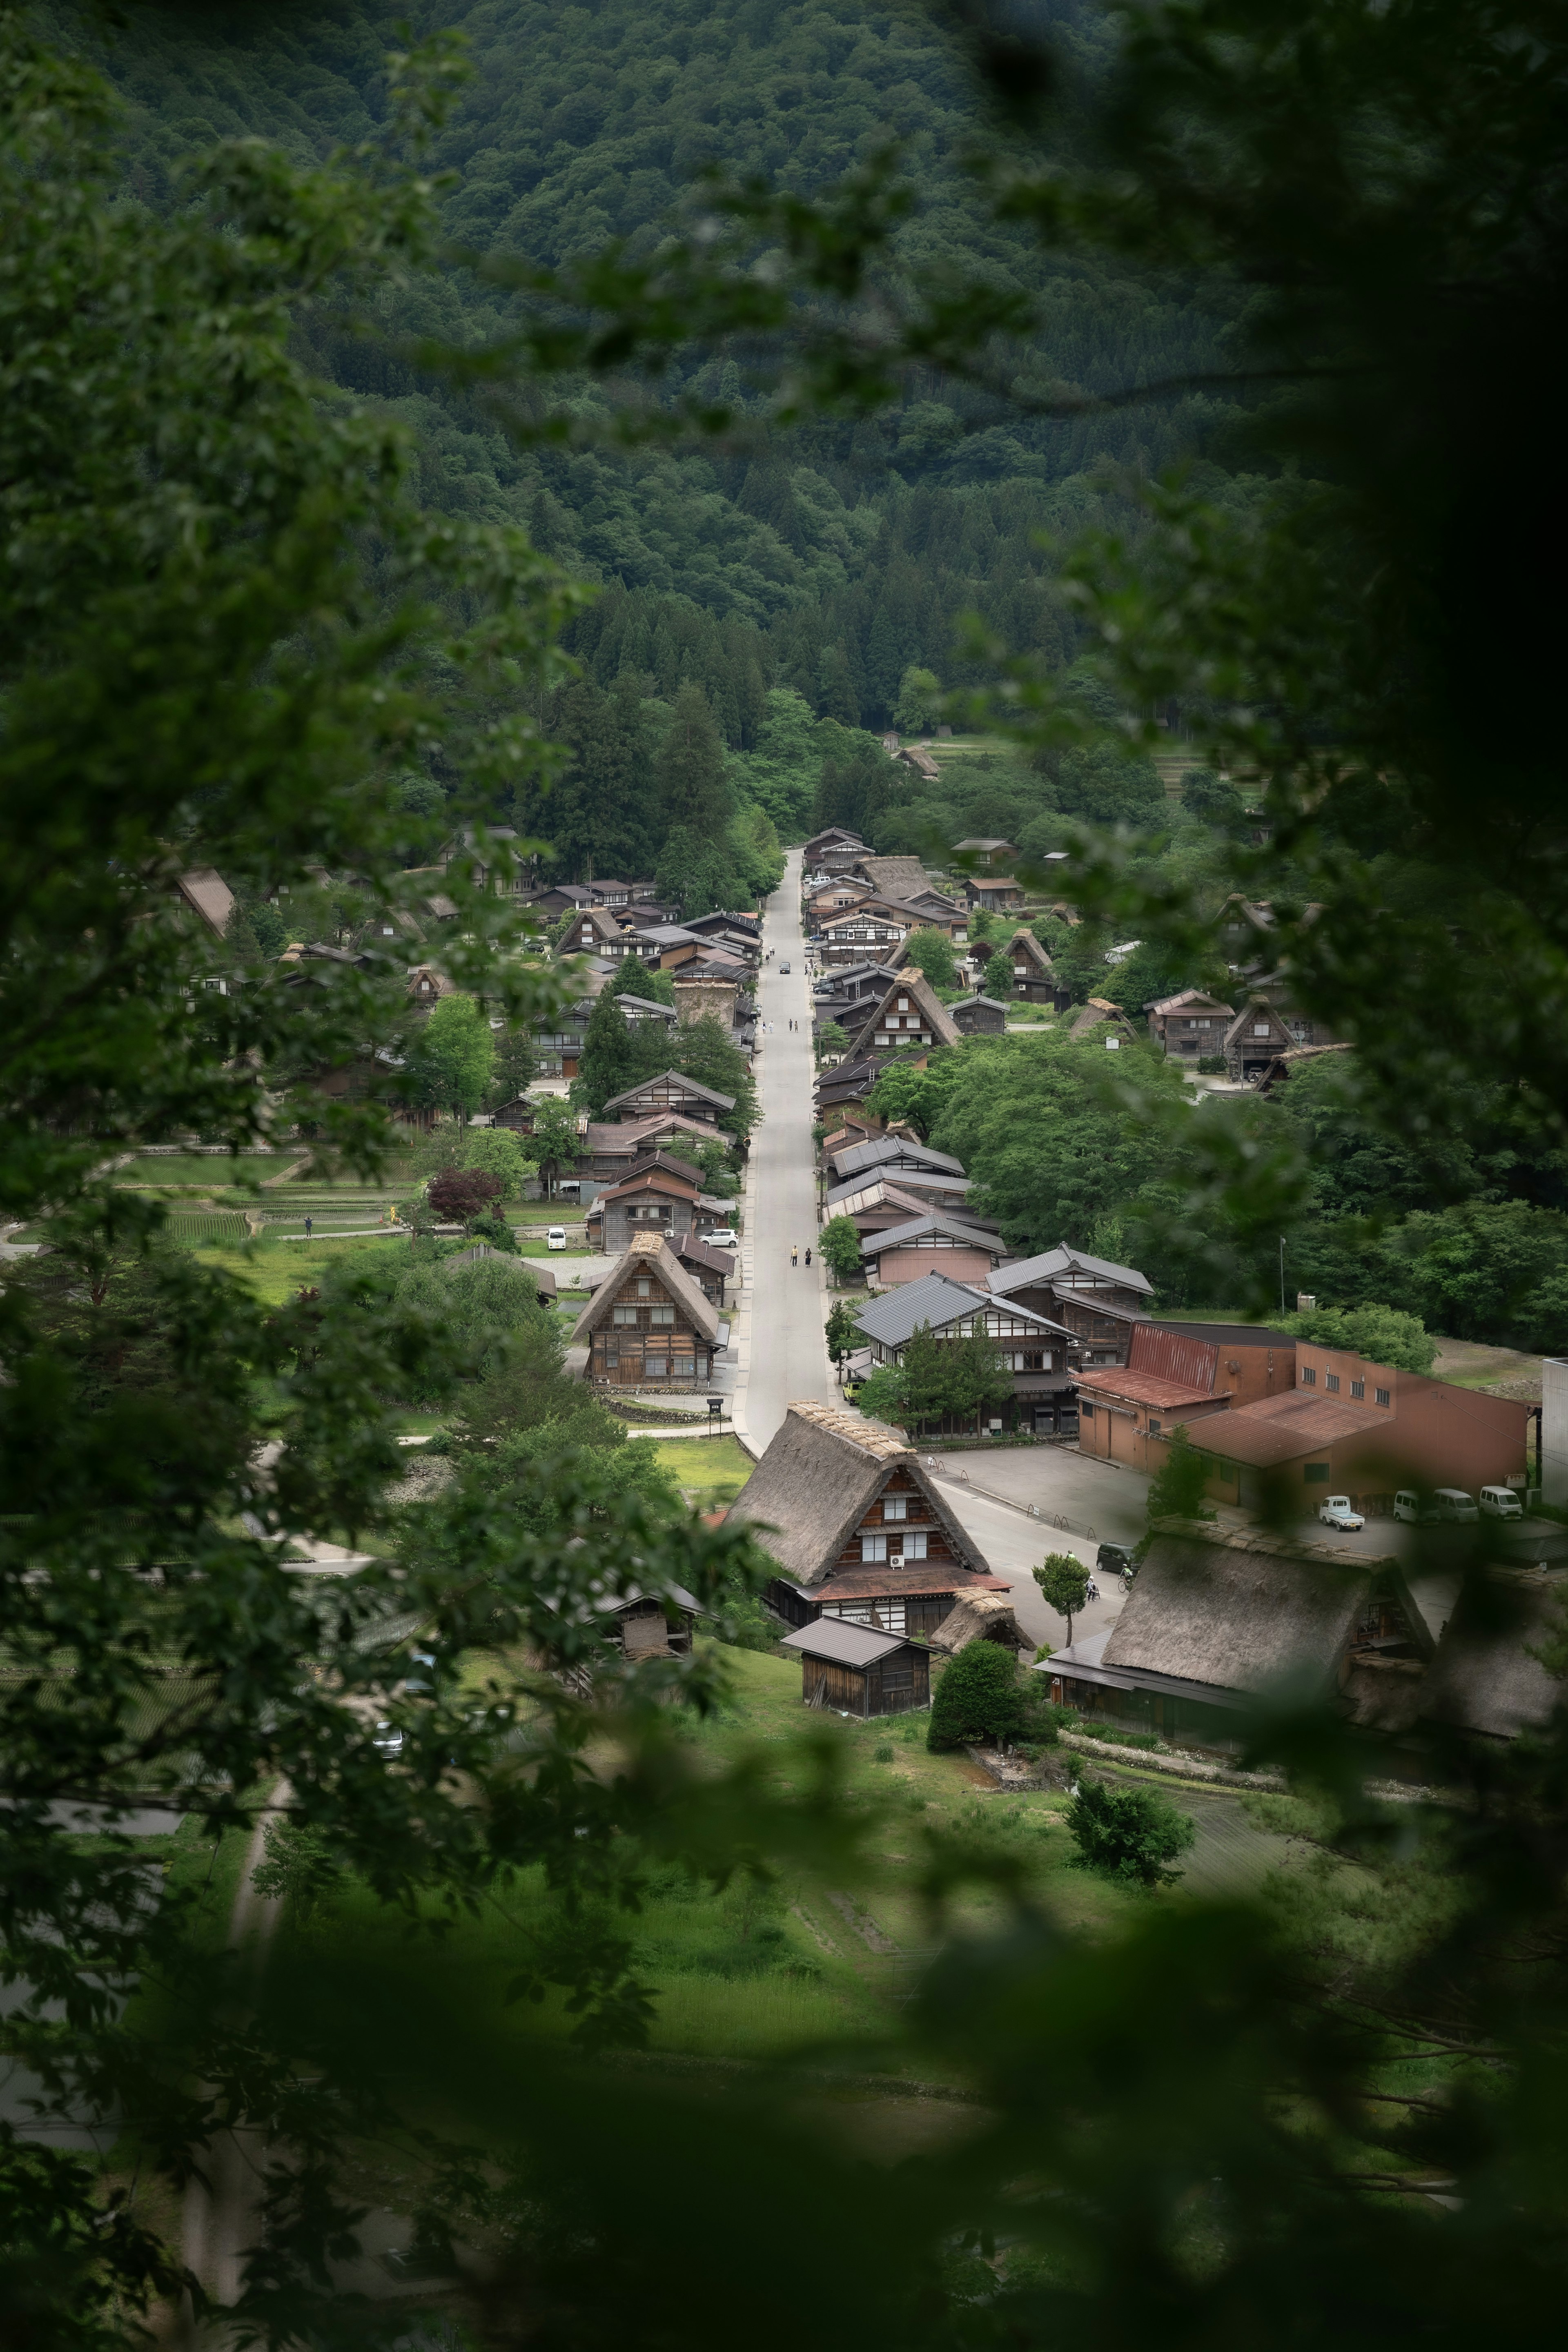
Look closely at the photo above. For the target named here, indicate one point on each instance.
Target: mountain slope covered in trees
(821, 566)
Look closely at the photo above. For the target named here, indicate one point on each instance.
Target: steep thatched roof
(1239, 1610)
(649, 1253)
(893, 878)
(822, 1471)
(924, 999)
(977, 1617)
(1483, 1677)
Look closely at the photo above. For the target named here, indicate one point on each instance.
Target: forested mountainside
(820, 567)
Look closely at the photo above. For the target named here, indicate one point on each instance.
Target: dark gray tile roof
(1063, 1260)
(934, 1298)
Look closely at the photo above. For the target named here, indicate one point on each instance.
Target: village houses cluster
(878, 1579)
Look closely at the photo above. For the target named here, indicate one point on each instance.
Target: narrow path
(784, 1354)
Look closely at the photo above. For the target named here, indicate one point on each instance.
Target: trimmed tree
(978, 1697)
(1064, 1584)
(556, 1143)
(839, 1242)
(931, 952)
(1177, 1490)
(1128, 1834)
(998, 976)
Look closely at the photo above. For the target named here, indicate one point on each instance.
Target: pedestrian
(808, 1257)
(310, 1227)
(794, 1254)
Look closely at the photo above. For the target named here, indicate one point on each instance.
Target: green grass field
(755, 1969)
(710, 1470)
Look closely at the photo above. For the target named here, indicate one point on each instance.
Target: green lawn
(710, 1470)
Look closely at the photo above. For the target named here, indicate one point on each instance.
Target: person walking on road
(795, 1253)
(310, 1227)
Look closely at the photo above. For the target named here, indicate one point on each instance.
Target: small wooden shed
(856, 1671)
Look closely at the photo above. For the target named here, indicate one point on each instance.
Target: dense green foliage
(821, 571)
(618, 1054)
(1133, 1835)
(978, 1694)
(1342, 2103)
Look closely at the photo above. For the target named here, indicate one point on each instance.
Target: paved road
(787, 1355)
(1060, 1483)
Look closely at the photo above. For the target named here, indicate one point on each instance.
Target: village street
(782, 1356)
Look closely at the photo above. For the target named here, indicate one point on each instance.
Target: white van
(1501, 1503)
(1449, 1503)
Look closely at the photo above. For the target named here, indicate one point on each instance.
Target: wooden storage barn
(855, 1671)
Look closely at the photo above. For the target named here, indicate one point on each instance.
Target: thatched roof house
(858, 1529)
(978, 1617)
(1217, 1617)
(1483, 1678)
(648, 1324)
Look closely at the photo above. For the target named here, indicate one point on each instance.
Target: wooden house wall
(643, 1353)
(889, 1686)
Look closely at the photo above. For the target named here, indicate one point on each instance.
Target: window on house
(873, 1547)
(1381, 1396)
(661, 1315)
(1332, 1382)
(1085, 1410)
(1260, 1028)
(645, 1290)
(624, 1315)
(1154, 1424)
(1317, 1473)
(895, 1506)
(1358, 1388)
(914, 1543)
(655, 1367)
(1309, 1377)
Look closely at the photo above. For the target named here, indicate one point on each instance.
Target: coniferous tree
(610, 1060)
(693, 791)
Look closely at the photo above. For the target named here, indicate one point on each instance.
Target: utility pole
(1281, 1274)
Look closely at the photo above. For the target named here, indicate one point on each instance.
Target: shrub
(882, 1754)
(979, 1696)
(1128, 1834)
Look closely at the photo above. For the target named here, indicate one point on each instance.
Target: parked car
(1449, 1505)
(1116, 1559)
(556, 1237)
(1501, 1503)
(725, 1240)
(1339, 1512)
(386, 1739)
